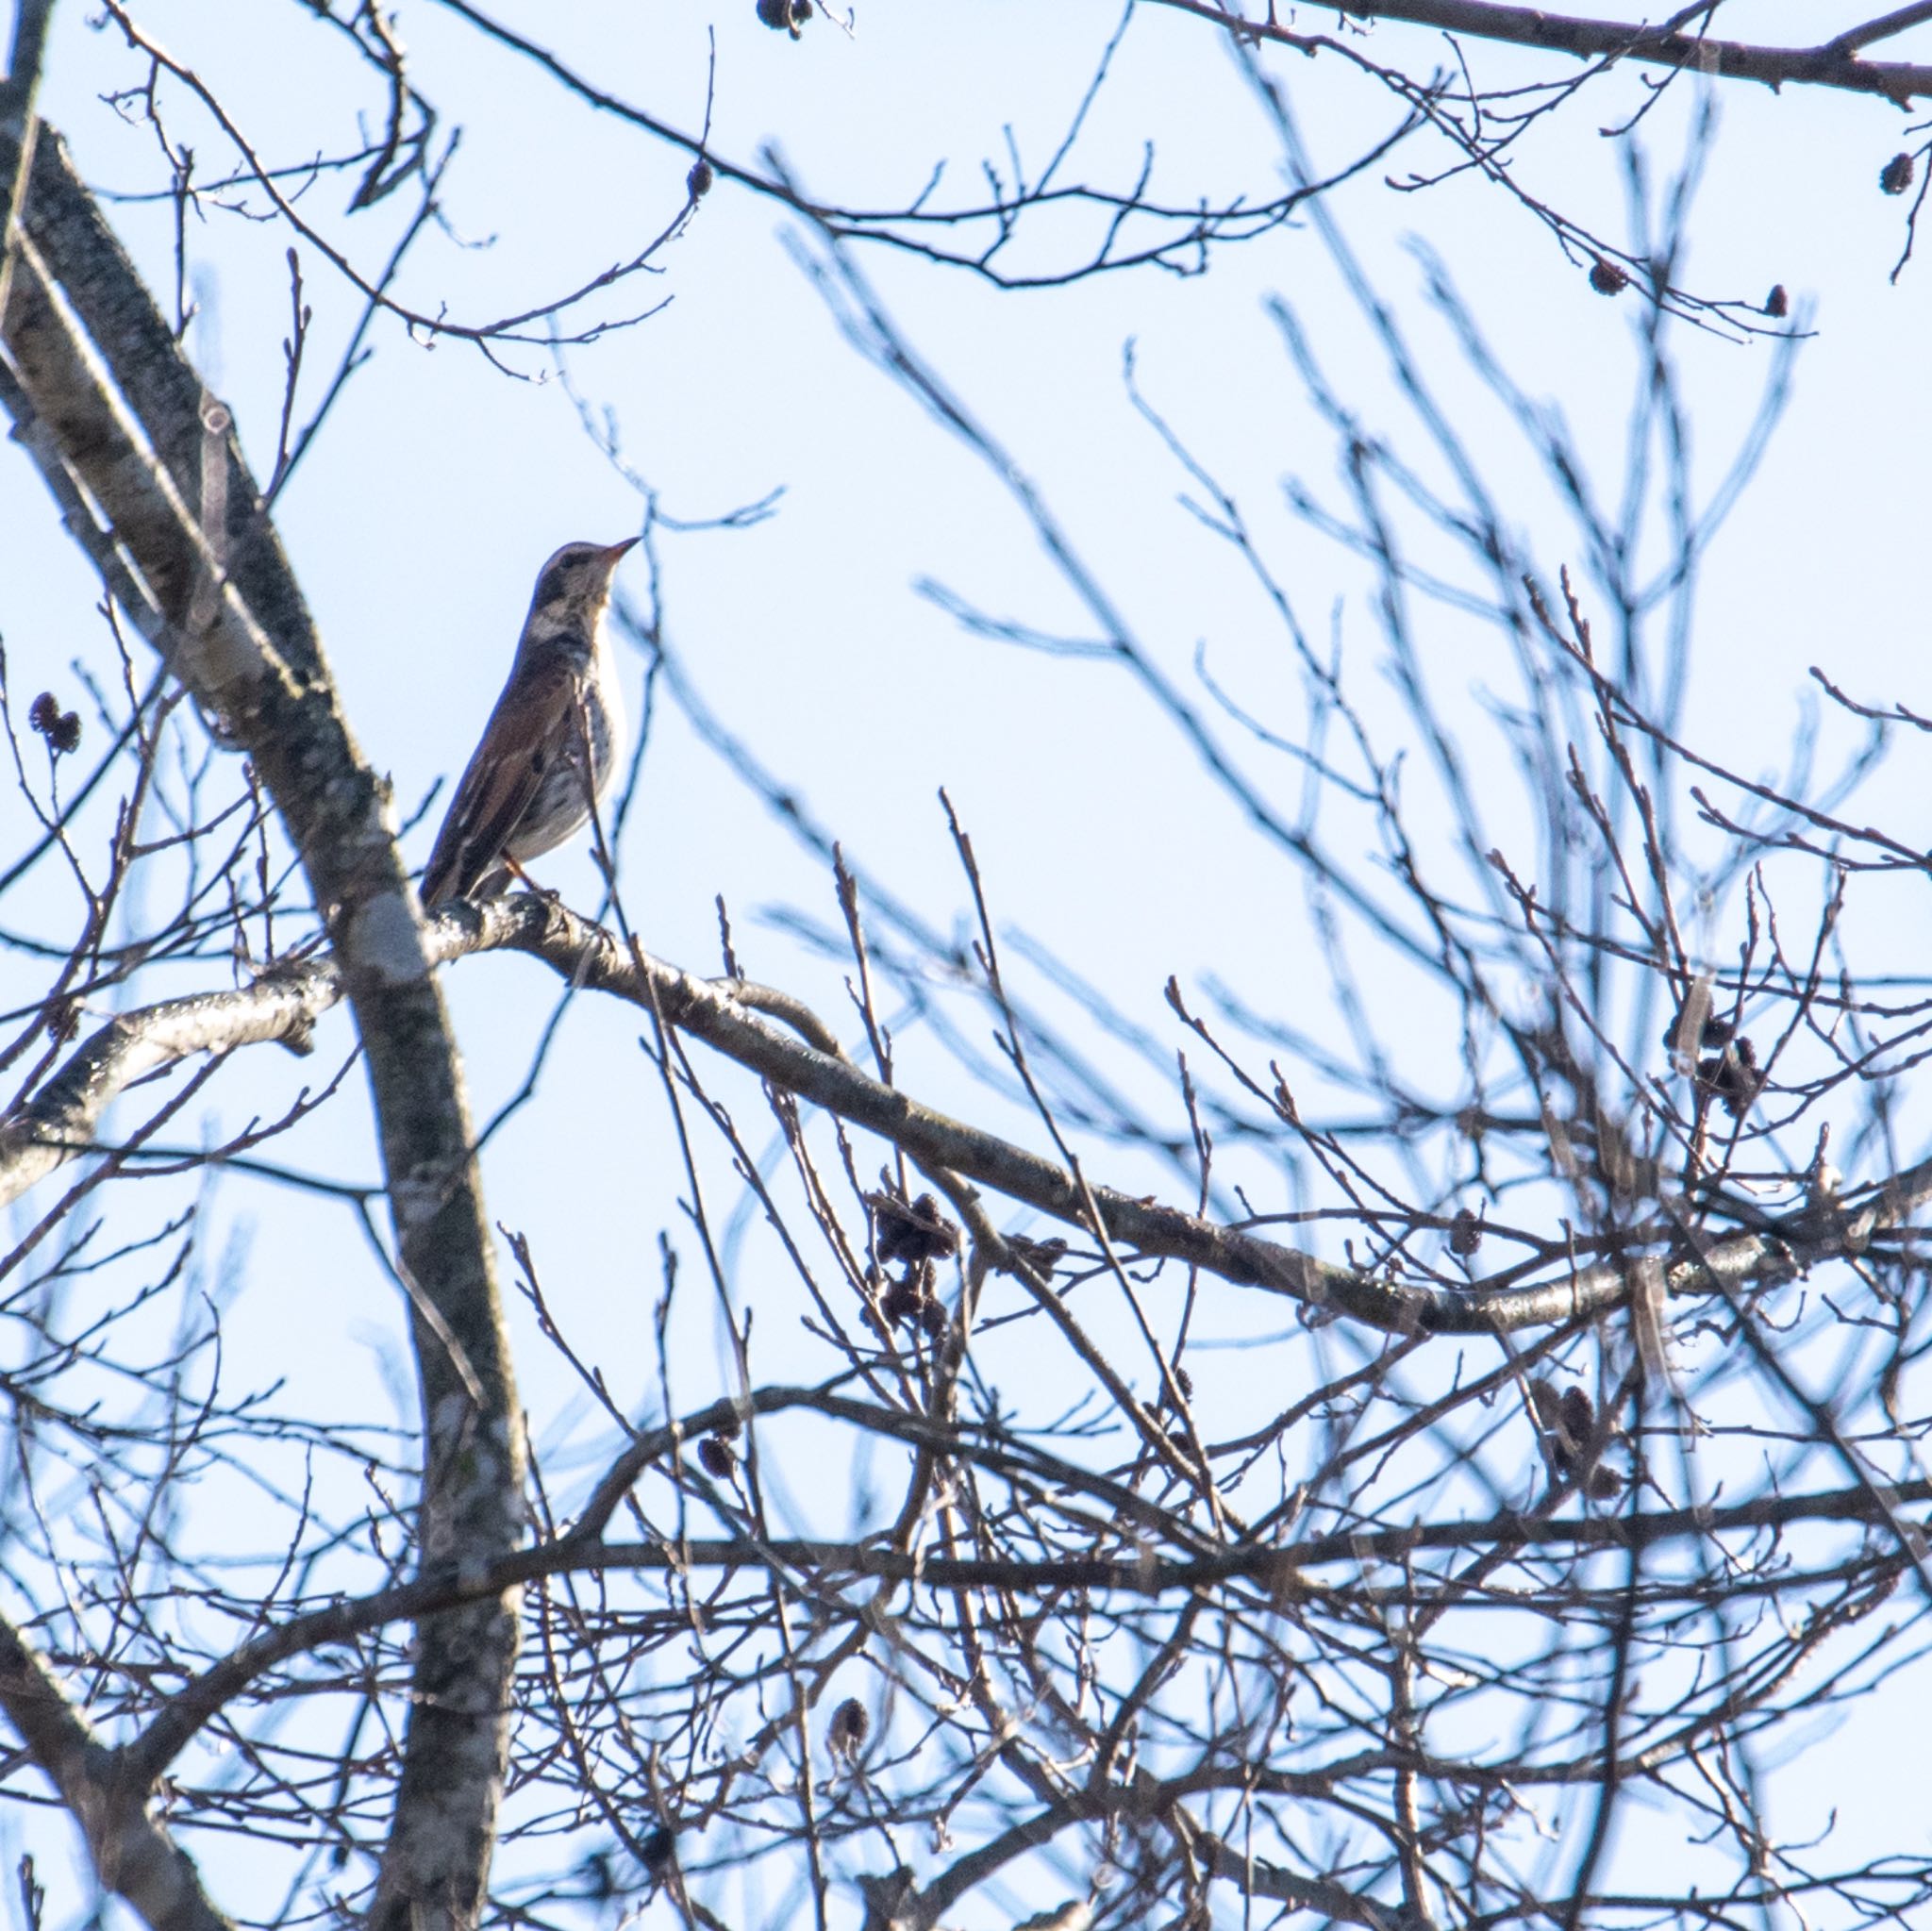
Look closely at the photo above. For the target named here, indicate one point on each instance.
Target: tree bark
(116, 417)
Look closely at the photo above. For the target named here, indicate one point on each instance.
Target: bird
(525, 790)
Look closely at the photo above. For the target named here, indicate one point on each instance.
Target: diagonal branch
(119, 422)
(17, 122)
(1832, 63)
(59, 1124)
(133, 1857)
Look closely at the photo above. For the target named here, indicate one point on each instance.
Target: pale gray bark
(729, 1015)
(119, 420)
(63, 1119)
(133, 1857)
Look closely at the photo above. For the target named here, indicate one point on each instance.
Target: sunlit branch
(1833, 64)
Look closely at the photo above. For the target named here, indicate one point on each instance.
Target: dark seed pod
(43, 713)
(1568, 1419)
(697, 184)
(903, 1300)
(1606, 279)
(914, 1232)
(718, 1457)
(1548, 1404)
(1576, 1416)
(63, 1020)
(775, 14)
(1778, 304)
(66, 736)
(1734, 1076)
(1185, 1382)
(1465, 1232)
(656, 1851)
(845, 1733)
(801, 12)
(1747, 1080)
(1896, 174)
(932, 1317)
(1555, 1414)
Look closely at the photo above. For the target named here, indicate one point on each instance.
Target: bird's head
(574, 586)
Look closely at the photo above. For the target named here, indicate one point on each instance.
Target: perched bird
(527, 788)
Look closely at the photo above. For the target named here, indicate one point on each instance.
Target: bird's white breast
(609, 722)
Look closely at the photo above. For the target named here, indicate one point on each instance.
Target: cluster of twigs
(1020, 225)
(1501, 1413)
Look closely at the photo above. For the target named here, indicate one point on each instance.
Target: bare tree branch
(1832, 63)
(132, 1854)
(60, 1123)
(254, 659)
(1508, 1404)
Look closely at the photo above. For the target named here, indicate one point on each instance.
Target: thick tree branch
(61, 1121)
(1831, 64)
(1283, 1571)
(132, 1854)
(17, 122)
(117, 419)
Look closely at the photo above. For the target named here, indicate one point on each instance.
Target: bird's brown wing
(529, 728)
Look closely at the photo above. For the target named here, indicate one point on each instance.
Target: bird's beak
(614, 554)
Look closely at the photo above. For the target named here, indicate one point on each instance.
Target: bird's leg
(524, 880)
